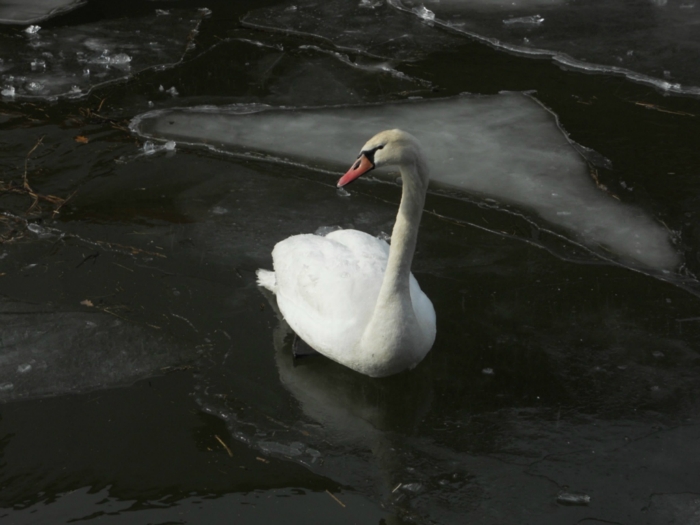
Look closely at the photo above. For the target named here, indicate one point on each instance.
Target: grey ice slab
(69, 61)
(49, 353)
(506, 147)
(30, 11)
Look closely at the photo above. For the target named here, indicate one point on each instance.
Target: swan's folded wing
(327, 286)
(368, 249)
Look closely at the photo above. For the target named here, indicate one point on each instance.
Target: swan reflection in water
(361, 418)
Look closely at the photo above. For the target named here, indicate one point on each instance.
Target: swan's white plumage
(329, 290)
(267, 279)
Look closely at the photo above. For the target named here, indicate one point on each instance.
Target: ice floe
(506, 148)
(69, 61)
(49, 353)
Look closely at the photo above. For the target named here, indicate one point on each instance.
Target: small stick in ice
(228, 450)
(336, 499)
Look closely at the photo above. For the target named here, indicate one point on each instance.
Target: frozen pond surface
(145, 378)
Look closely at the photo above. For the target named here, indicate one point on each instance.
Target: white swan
(348, 295)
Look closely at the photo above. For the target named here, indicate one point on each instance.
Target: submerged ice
(505, 147)
(49, 353)
(69, 61)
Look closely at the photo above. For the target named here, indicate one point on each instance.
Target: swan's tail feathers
(267, 279)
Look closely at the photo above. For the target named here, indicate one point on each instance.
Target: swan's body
(349, 295)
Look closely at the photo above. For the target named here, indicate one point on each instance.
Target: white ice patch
(525, 20)
(69, 61)
(507, 147)
(28, 11)
(149, 148)
(424, 13)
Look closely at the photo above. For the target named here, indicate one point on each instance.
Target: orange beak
(361, 166)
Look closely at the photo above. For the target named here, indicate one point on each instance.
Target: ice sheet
(505, 147)
(69, 61)
(45, 352)
(285, 72)
(367, 26)
(654, 42)
(30, 11)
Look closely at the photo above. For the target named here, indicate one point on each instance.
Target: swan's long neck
(395, 339)
(405, 233)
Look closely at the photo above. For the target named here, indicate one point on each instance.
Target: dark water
(146, 379)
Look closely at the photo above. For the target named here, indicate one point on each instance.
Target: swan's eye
(370, 153)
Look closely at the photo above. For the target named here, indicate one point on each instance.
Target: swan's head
(390, 147)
